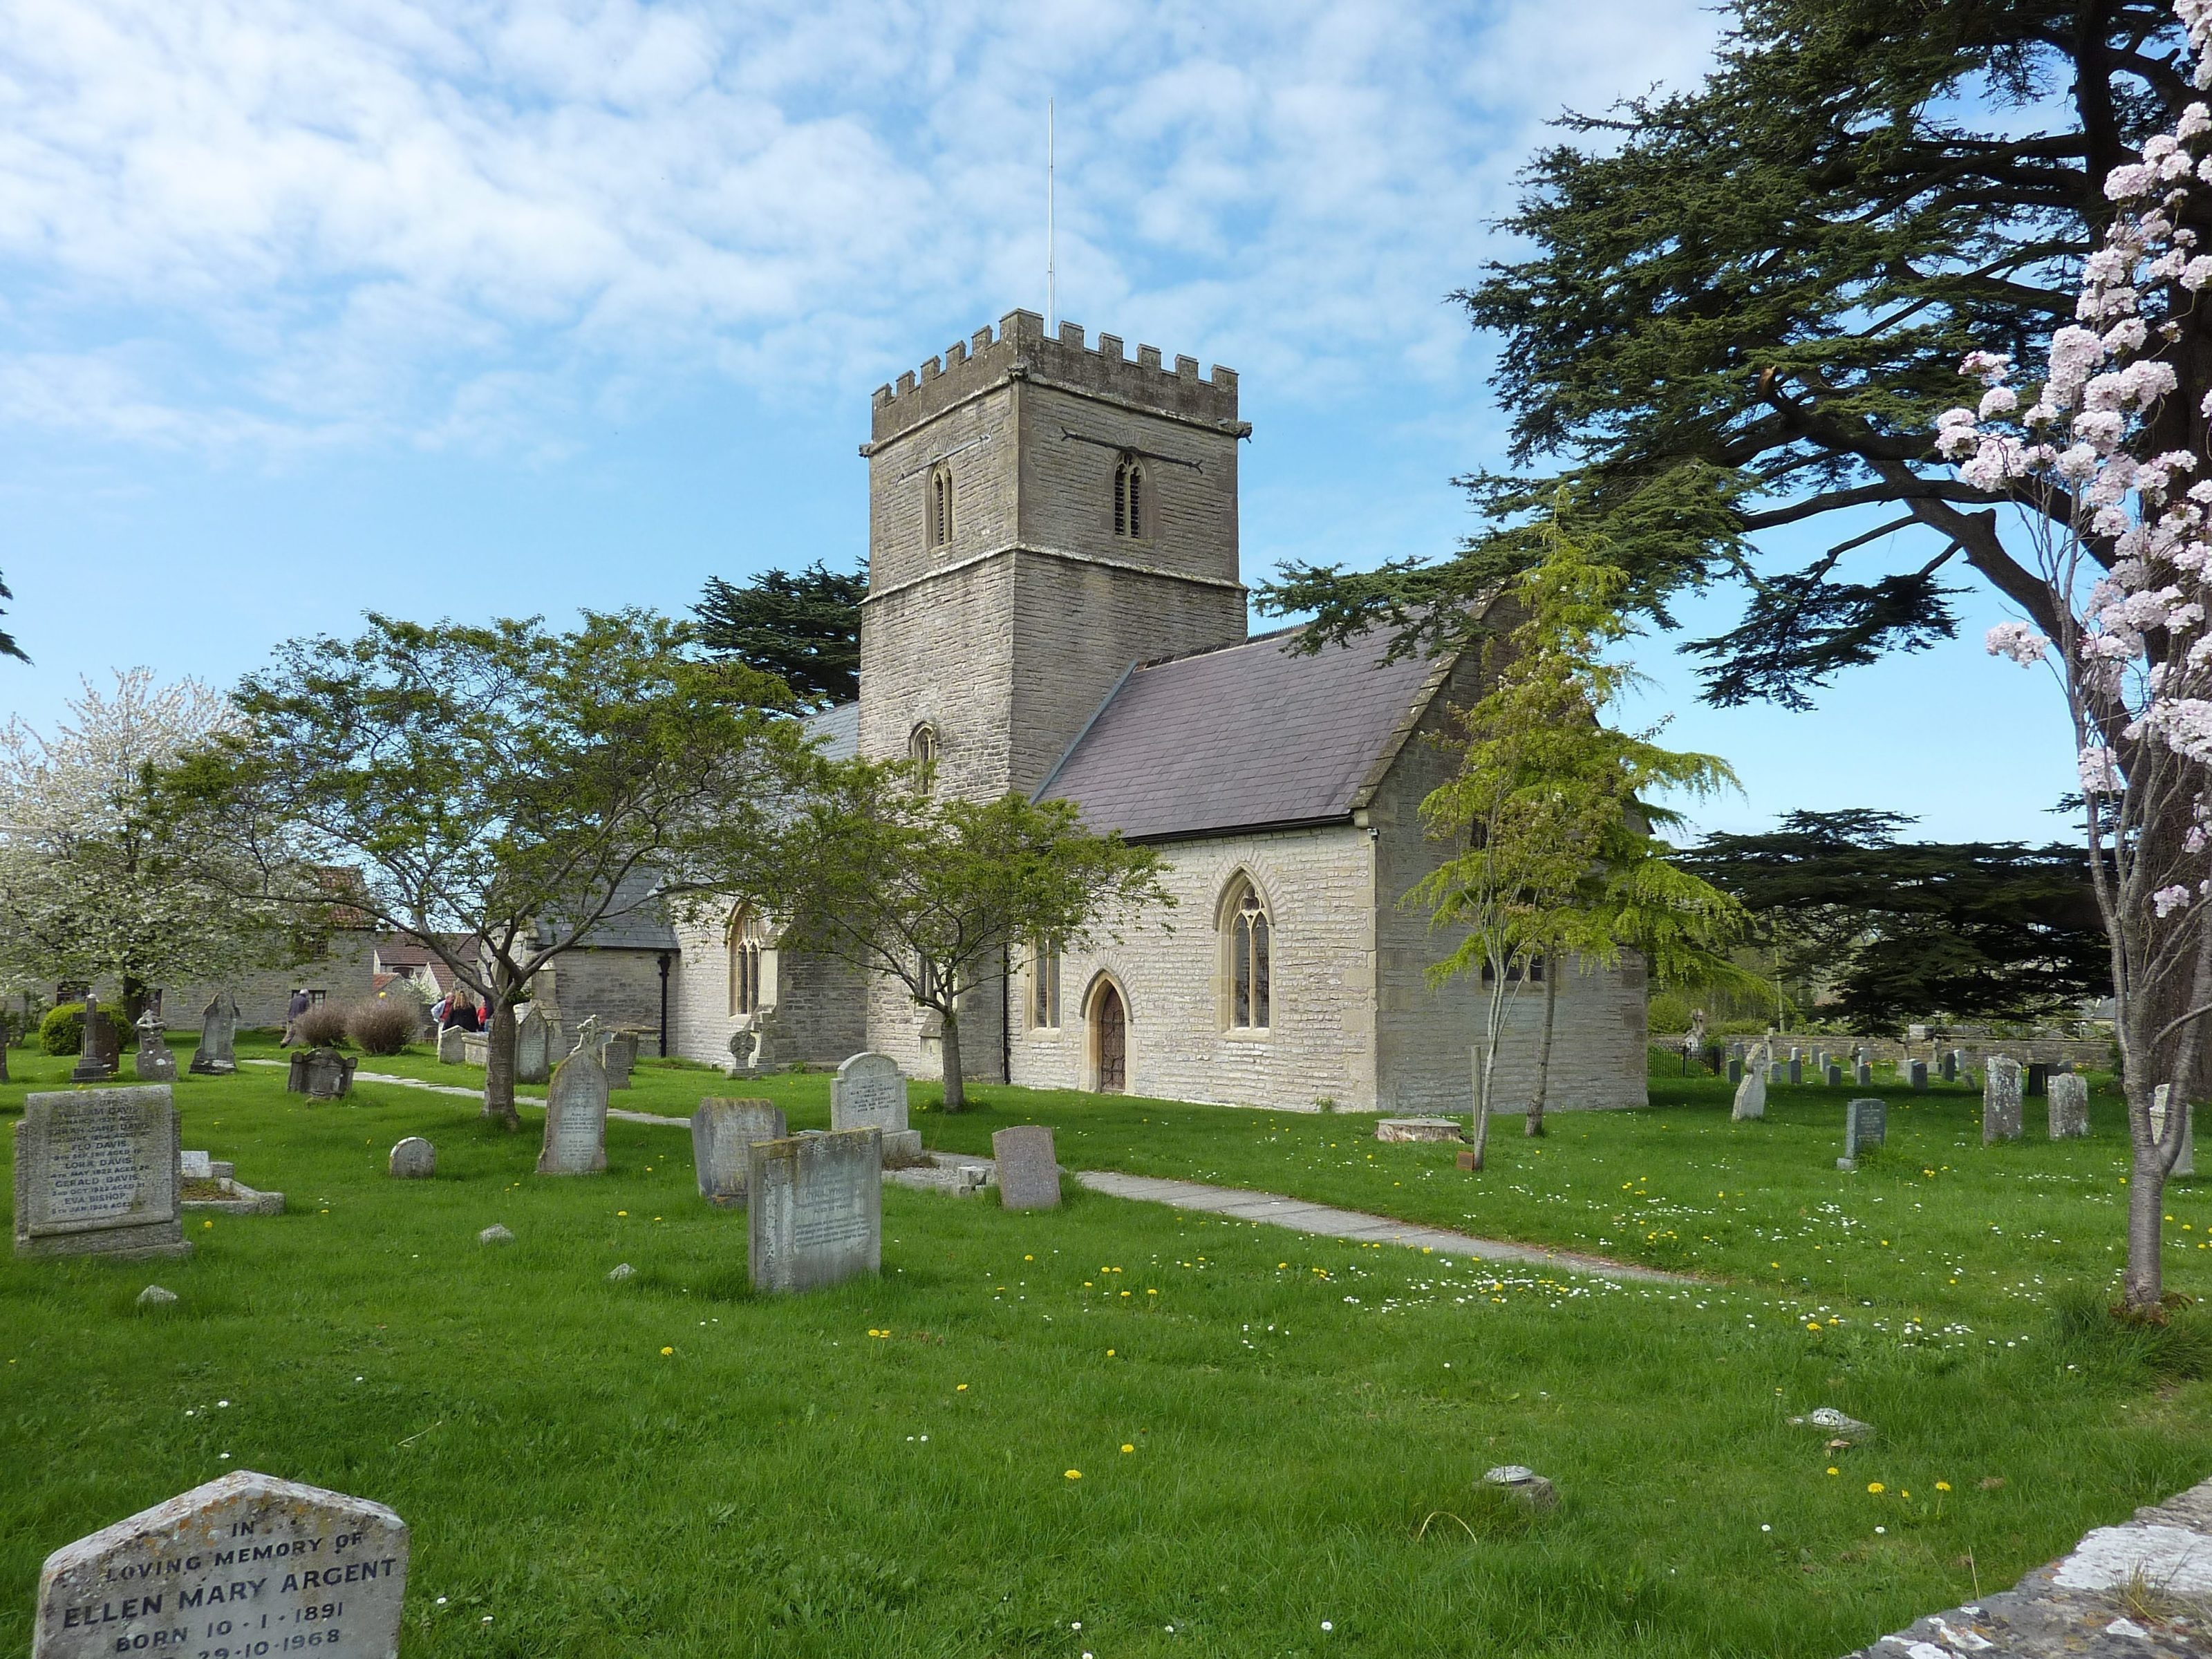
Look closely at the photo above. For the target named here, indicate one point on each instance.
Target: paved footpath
(1273, 1208)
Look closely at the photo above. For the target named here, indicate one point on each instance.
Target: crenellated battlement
(1020, 350)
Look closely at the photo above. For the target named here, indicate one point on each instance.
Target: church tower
(1041, 514)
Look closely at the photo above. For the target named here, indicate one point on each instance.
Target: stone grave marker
(1796, 1067)
(96, 1174)
(870, 1091)
(621, 1059)
(2185, 1165)
(2001, 1100)
(1774, 1072)
(153, 1063)
(247, 1564)
(295, 1073)
(1834, 1075)
(536, 1044)
(1950, 1067)
(1866, 1123)
(722, 1134)
(196, 1165)
(1734, 1069)
(97, 1056)
(1863, 1074)
(1751, 1092)
(215, 1055)
(452, 1046)
(413, 1159)
(325, 1074)
(1029, 1178)
(1916, 1033)
(2070, 1106)
(1919, 1079)
(814, 1213)
(1735, 1051)
(576, 1109)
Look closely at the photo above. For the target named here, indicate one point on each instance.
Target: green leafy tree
(937, 893)
(803, 628)
(1898, 931)
(502, 790)
(1551, 807)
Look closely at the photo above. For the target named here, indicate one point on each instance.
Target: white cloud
(337, 220)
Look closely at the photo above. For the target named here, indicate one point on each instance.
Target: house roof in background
(1243, 737)
(838, 731)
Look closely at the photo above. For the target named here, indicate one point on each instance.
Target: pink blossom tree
(2123, 549)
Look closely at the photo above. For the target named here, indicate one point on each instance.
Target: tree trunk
(499, 1059)
(1485, 1055)
(1535, 1125)
(2143, 1285)
(955, 1087)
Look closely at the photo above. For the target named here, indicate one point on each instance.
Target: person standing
(300, 1003)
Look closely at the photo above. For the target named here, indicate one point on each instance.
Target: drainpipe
(1005, 1013)
(663, 1005)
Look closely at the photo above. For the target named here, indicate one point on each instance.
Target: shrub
(61, 1031)
(323, 1026)
(382, 1027)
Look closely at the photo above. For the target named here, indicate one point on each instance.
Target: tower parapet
(1020, 350)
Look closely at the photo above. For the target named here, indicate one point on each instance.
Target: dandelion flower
(205, 1225)
(1905, 1494)
(1075, 1474)
(1127, 1447)
(962, 1388)
(1109, 1353)
(620, 1212)
(1942, 1486)
(1833, 1470)
(1875, 1486)
(666, 1351)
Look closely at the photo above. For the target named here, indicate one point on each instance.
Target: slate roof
(839, 730)
(1243, 736)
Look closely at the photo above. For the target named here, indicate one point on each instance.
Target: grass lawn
(670, 1465)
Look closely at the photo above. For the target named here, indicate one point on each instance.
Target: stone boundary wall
(2087, 1052)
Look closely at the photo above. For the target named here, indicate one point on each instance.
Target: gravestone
(576, 1108)
(413, 1159)
(722, 1133)
(1734, 1069)
(2185, 1163)
(215, 1055)
(153, 1063)
(328, 1073)
(1774, 1072)
(2070, 1106)
(2001, 1098)
(97, 1054)
(1863, 1074)
(1835, 1075)
(1950, 1067)
(295, 1074)
(1920, 1075)
(621, 1059)
(1797, 1068)
(2038, 1080)
(1028, 1178)
(247, 1564)
(814, 1213)
(1866, 1123)
(1916, 1033)
(536, 1044)
(96, 1174)
(870, 1091)
(1735, 1051)
(1751, 1093)
(452, 1046)
(196, 1165)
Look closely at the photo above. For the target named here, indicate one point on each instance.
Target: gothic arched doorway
(1109, 1026)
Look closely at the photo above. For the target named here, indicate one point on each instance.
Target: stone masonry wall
(943, 653)
(1427, 1033)
(345, 973)
(621, 987)
(1319, 886)
(821, 1011)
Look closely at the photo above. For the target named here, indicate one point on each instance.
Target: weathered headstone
(1863, 1074)
(1866, 1123)
(329, 1074)
(2038, 1079)
(1523, 1486)
(722, 1132)
(2070, 1106)
(452, 1046)
(96, 1174)
(1919, 1078)
(870, 1091)
(1735, 1051)
(216, 1055)
(97, 1056)
(1735, 1070)
(247, 1564)
(1028, 1178)
(153, 1063)
(536, 1044)
(1950, 1067)
(621, 1059)
(1834, 1075)
(495, 1234)
(1774, 1072)
(1916, 1033)
(2001, 1098)
(414, 1159)
(196, 1165)
(1797, 1068)
(576, 1109)
(814, 1212)
(1751, 1097)
(2185, 1165)
(295, 1073)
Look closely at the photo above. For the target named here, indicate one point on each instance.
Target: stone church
(1055, 606)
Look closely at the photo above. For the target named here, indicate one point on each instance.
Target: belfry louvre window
(1129, 504)
(748, 957)
(940, 506)
(1249, 941)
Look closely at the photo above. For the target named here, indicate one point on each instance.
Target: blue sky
(488, 308)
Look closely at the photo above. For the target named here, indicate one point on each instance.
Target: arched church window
(1044, 986)
(1249, 939)
(921, 746)
(749, 958)
(1129, 504)
(940, 506)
